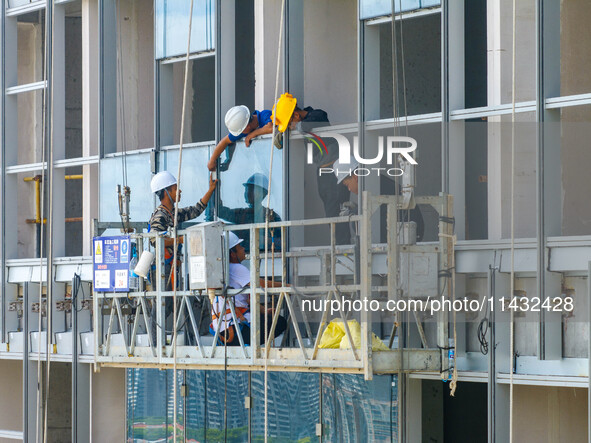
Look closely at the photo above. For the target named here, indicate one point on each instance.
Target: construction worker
(164, 185)
(240, 278)
(256, 189)
(289, 115)
(241, 124)
(346, 176)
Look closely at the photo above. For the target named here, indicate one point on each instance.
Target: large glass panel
(195, 406)
(377, 8)
(138, 170)
(244, 177)
(194, 175)
(357, 410)
(172, 27)
(147, 392)
(227, 391)
(293, 406)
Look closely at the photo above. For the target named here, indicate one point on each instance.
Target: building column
(90, 137)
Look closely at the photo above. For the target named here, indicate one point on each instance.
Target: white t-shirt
(239, 277)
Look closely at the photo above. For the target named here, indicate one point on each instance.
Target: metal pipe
(26, 360)
(75, 283)
(445, 4)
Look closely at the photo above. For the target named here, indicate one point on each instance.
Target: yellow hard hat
(284, 109)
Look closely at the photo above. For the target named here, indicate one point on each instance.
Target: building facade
(92, 98)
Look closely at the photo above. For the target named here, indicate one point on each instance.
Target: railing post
(160, 279)
(365, 294)
(255, 275)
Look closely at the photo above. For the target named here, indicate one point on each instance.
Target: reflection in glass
(245, 189)
(172, 25)
(357, 410)
(227, 390)
(293, 406)
(146, 404)
(352, 409)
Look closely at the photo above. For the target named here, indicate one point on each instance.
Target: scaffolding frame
(122, 350)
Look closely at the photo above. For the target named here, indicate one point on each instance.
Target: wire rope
(175, 228)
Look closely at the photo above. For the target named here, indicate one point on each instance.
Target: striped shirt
(163, 219)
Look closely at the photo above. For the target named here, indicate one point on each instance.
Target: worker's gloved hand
(347, 209)
(278, 140)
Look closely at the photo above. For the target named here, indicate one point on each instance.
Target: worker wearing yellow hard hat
(283, 111)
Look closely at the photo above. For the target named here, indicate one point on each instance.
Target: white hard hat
(162, 180)
(234, 240)
(344, 170)
(237, 119)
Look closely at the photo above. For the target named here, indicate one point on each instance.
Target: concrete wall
(108, 405)
(11, 406)
(59, 411)
(137, 64)
(30, 65)
(575, 63)
(73, 197)
(422, 66)
(330, 58)
(550, 414)
(500, 54)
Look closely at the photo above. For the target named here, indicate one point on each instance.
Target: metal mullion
(3, 337)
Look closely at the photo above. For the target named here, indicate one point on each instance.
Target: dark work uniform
(162, 220)
(331, 194)
(241, 216)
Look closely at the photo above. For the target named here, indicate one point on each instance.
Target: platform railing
(130, 328)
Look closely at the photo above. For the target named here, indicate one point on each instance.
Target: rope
(267, 220)
(49, 297)
(41, 242)
(123, 135)
(512, 313)
(176, 215)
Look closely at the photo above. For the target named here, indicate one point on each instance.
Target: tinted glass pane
(376, 8)
(357, 410)
(194, 175)
(147, 391)
(293, 406)
(138, 176)
(227, 390)
(195, 406)
(172, 27)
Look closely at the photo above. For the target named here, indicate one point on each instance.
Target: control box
(206, 267)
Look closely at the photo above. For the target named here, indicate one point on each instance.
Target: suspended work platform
(383, 275)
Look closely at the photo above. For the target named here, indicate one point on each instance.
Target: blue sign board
(111, 263)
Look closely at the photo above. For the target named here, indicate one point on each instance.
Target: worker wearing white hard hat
(164, 185)
(241, 124)
(240, 278)
(345, 173)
